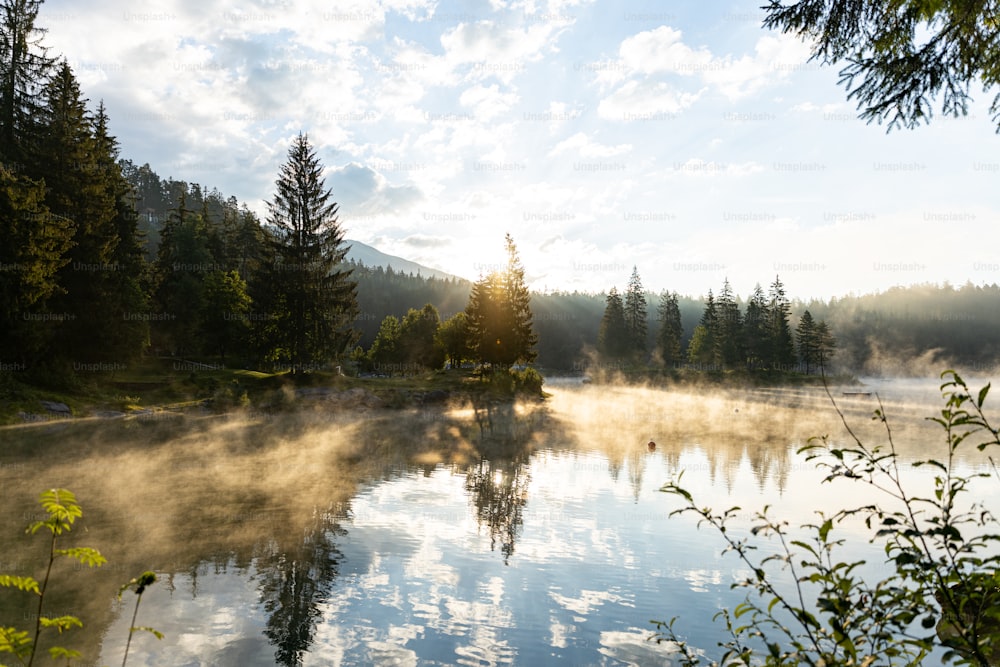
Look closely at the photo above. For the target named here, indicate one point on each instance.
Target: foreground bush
(943, 593)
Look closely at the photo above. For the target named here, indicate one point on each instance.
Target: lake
(492, 534)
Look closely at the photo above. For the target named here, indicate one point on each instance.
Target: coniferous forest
(103, 263)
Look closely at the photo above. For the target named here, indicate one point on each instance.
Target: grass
(165, 383)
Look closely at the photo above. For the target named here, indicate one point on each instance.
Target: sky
(678, 137)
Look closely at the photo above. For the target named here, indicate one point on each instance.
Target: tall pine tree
(636, 319)
(729, 334)
(24, 69)
(756, 333)
(613, 340)
(78, 190)
(781, 353)
(701, 348)
(316, 296)
(499, 315)
(668, 339)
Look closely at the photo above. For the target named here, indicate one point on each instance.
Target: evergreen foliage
(671, 333)
(499, 316)
(636, 318)
(614, 340)
(899, 55)
(317, 297)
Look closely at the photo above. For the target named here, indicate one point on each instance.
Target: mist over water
(477, 534)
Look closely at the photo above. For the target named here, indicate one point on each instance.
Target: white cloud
(586, 147)
(661, 50)
(774, 59)
(642, 99)
(488, 102)
(365, 192)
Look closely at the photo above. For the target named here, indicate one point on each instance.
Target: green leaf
(982, 395)
(21, 583)
(824, 530)
(15, 641)
(143, 628)
(61, 623)
(85, 555)
(59, 652)
(139, 583)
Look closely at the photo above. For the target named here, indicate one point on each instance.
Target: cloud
(661, 50)
(361, 190)
(425, 241)
(488, 102)
(581, 143)
(775, 58)
(644, 100)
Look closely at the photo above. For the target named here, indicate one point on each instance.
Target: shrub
(943, 593)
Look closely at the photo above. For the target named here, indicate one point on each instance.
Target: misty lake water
(475, 535)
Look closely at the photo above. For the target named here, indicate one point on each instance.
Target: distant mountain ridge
(372, 257)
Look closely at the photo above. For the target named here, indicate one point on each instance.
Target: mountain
(371, 257)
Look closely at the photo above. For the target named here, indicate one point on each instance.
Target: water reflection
(294, 582)
(484, 533)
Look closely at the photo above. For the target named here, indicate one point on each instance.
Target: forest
(103, 262)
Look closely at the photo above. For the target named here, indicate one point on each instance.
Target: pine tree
(499, 315)
(613, 340)
(805, 333)
(729, 333)
(483, 315)
(33, 249)
(518, 309)
(636, 319)
(701, 348)
(756, 333)
(825, 344)
(781, 354)
(668, 341)
(318, 297)
(125, 284)
(183, 260)
(78, 190)
(24, 69)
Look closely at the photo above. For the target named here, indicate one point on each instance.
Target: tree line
(725, 338)
(101, 260)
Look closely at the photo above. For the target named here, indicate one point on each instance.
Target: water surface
(477, 535)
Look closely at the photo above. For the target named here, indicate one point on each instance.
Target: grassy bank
(156, 384)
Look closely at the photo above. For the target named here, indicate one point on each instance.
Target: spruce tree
(483, 316)
(517, 300)
(183, 260)
(33, 250)
(701, 348)
(24, 69)
(781, 354)
(499, 315)
(77, 190)
(613, 339)
(805, 334)
(124, 334)
(729, 334)
(756, 323)
(668, 340)
(825, 344)
(636, 319)
(318, 298)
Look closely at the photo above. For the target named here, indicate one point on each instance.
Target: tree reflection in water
(295, 580)
(498, 482)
